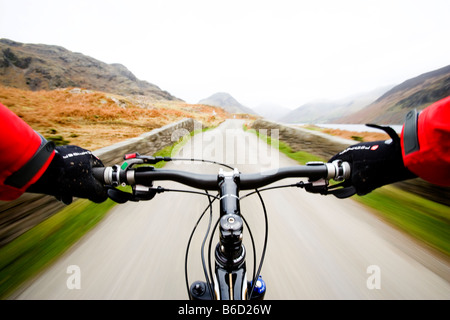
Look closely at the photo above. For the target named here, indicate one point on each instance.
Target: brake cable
(201, 160)
(203, 247)
(269, 188)
(137, 158)
(263, 254)
(189, 243)
(188, 191)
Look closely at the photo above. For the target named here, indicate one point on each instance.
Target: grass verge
(30, 253)
(425, 220)
(24, 257)
(300, 156)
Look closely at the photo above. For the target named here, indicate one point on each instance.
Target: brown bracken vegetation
(93, 119)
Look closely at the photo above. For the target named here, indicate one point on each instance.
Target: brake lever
(119, 196)
(321, 187)
(342, 193)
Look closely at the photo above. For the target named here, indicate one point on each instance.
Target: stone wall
(326, 146)
(20, 215)
(147, 143)
(299, 139)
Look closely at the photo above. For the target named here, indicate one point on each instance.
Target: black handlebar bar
(115, 175)
(313, 172)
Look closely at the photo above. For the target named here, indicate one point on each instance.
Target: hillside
(227, 102)
(95, 119)
(418, 92)
(46, 67)
(329, 111)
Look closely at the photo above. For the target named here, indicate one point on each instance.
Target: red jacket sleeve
(18, 145)
(431, 161)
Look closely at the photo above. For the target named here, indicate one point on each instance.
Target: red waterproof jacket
(24, 154)
(429, 155)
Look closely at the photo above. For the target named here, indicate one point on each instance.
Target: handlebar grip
(338, 170)
(99, 173)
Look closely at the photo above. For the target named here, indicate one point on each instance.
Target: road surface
(320, 247)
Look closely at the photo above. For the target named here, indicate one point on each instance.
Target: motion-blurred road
(319, 247)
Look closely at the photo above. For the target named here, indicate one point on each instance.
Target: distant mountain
(227, 102)
(271, 111)
(418, 92)
(46, 67)
(330, 111)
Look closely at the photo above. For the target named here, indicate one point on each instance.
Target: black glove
(374, 164)
(70, 175)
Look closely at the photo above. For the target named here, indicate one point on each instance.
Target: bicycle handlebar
(115, 175)
(230, 252)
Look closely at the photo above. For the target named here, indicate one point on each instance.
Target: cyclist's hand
(70, 175)
(374, 164)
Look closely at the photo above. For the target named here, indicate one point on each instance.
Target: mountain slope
(94, 119)
(418, 93)
(329, 111)
(45, 67)
(227, 102)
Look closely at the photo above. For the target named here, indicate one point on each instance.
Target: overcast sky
(282, 52)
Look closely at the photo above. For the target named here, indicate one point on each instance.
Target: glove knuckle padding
(70, 175)
(376, 163)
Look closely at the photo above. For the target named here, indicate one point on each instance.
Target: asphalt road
(320, 247)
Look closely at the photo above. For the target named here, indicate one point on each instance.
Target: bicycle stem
(231, 252)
